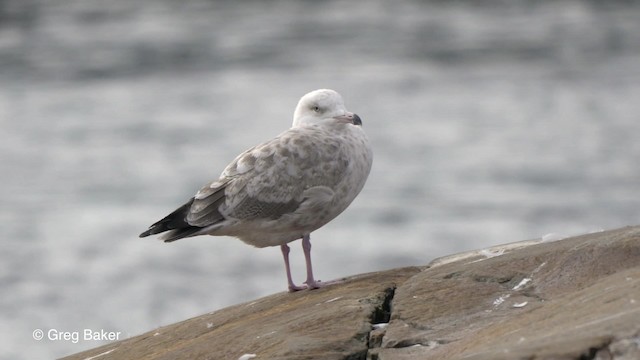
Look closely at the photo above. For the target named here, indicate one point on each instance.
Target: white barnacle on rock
(501, 299)
(247, 356)
(330, 300)
(553, 237)
(488, 253)
(269, 333)
(520, 305)
(379, 326)
(521, 284)
(538, 268)
(101, 354)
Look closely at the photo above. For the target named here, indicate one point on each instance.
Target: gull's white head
(320, 106)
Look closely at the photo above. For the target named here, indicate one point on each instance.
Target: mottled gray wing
(268, 180)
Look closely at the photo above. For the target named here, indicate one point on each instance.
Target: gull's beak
(349, 117)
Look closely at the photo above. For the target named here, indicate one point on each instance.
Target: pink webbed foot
(315, 284)
(294, 287)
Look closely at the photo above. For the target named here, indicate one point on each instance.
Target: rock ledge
(577, 298)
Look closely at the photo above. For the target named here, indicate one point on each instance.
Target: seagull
(285, 188)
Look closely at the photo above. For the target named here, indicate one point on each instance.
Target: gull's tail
(176, 225)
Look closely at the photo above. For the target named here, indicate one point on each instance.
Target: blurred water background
(491, 121)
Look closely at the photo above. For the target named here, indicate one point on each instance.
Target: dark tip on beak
(357, 120)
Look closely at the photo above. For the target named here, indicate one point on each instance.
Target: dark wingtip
(175, 220)
(153, 229)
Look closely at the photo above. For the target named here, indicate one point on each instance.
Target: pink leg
(306, 246)
(285, 254)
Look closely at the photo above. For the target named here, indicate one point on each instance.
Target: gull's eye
(316, 108)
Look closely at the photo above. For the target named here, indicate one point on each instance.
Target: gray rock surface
(577, 298)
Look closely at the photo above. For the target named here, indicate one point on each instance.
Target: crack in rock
(380, 316)
(623, 348)
(599, 352)
(382, 313)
